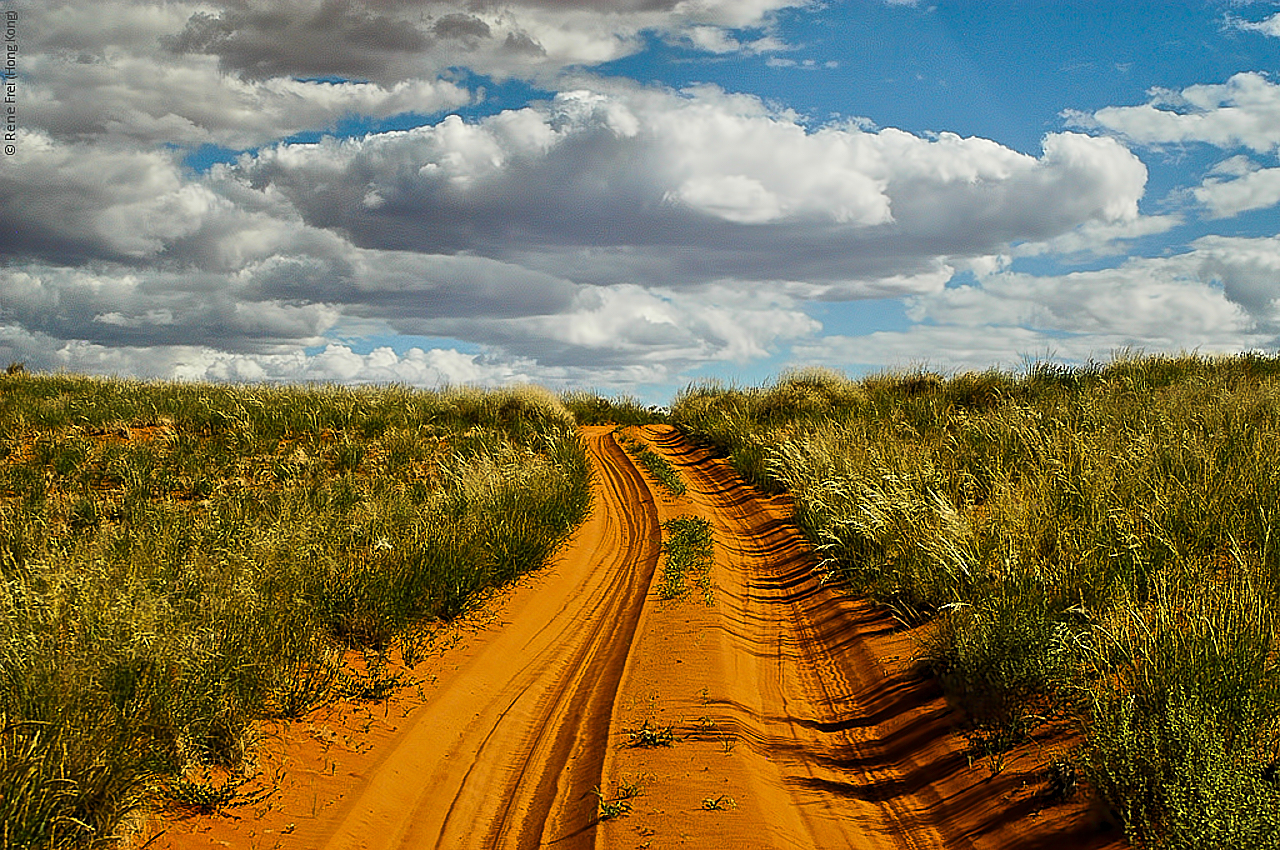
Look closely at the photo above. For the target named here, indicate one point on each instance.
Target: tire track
(809, 675)
(796, 724)
(508, 753)
(849, 744)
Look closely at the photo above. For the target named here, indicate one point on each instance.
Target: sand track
(800, 720)
(508, 753)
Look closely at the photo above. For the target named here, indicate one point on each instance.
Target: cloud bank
(611, 228)
(612, 234)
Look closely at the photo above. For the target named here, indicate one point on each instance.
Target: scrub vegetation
(1100, 544)
(590, 408)
(179, 561)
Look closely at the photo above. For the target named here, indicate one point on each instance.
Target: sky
(630, 196)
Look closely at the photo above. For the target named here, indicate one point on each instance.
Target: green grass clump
(178, 561)
(1096, 543)
(690, 554)
(657, 465)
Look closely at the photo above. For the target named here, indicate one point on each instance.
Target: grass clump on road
(1097, 543)
(690, 554)
(180, 560)
(657, 465)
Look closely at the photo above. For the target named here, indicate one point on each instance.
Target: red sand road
(798, 717)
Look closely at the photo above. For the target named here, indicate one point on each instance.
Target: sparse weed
(657, 465)
(648, 736)
(373, 684)
(208, 794)
(719, 804)
(619, 805)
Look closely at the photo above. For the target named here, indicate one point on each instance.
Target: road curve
(507, 754)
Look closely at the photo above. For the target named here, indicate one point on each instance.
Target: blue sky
(633, 194)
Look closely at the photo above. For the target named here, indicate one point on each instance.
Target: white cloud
(240, 74)
(188, 100)
(1247, 187)
(335, 363)
(612, 234)
(1242, 112)
(96, 201)
(621, 233)
(935, 347)
(719, 322)
(394, 41)
(1222, 295)
(1267, 26)
(655, 187)
(1153, 300)
(713, 40)
(1099, 238)
(1247, 268)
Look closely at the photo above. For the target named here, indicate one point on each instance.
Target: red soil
(800, 719)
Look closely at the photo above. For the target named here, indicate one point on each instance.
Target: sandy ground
(798, 718)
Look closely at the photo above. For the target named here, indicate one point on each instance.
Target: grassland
(1097, 545)
(178, 561)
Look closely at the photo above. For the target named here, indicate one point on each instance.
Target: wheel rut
(509, 753)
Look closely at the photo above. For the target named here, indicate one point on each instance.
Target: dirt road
(795, 717)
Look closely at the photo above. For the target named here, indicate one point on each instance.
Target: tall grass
(590, 408)
(179, 560)
(1098, 543)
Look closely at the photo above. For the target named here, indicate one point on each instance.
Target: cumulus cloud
(188, 101)
(1238, 185)
(240, 74)
(99, 72)
(335, 362)
(624, 231)
(1152, 300)
(613, 234)
(1248, 270)
(1221, 295)
(393, 40)
(118, 306)
(627, 324)
(663, 188)
(1242, 112)
(76, 200)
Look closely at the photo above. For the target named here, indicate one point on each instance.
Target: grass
(1096, 544)
(690, 554)
(648, 736)
(178, 561)
(618, 805)
(657, 465)
(589, 408)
